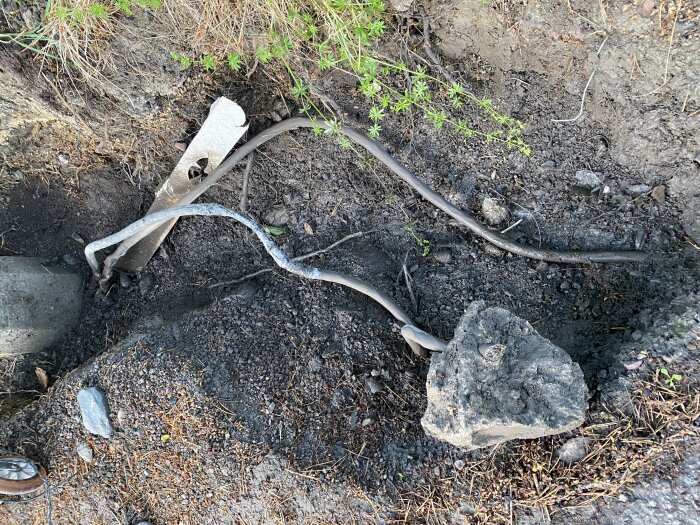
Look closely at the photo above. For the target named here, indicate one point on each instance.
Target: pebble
(635, 365)
(124, 280)
(659, 194)
(70, 260)
(647, 7)
(493, 212)
(588, 179)
(573, 450)
(225, 241)
(315, 364)
(85, 452)
(459, 464)
(373, 386)
(638, 189)
(146, 283)
(93, 408)
(367, 421)
(278, 216)
(492, 249)
(442, 256)
(548, 165)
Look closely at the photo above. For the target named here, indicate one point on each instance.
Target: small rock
(124, 280)
(243, 292)
(85, 452)
(659, 194)
(634, 365)
(491, 249)
(94, 410)
(442, 256)
(573, 450)
(588, 179)
(638, 189)
(146, 283)
(315, 364)
(225, 241)
(280, 107)
(373, 386)
(548, 165)
(17, 176)
(459, 464)
(493, 212)
(278, 216)
(640, 239)
(647, 7)
(367, 421)
(401, 6)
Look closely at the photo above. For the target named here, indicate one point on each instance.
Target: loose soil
(267, 378)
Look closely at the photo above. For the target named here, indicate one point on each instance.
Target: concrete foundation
(38, 304)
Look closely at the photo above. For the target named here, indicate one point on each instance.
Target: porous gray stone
(493, 212)
(401, 6)
(587, 179)
(95, 413)
(500, 380)
(573, 450)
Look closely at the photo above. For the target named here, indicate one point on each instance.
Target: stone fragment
(574, 450)
(499, 380)
(587, 179)
(493, 212)
(95, 413)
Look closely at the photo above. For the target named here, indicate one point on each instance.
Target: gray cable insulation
(429, 194)
(295, 267)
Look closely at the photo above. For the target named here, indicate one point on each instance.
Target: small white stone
(85, 452)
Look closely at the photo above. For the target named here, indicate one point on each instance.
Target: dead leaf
(42, 377)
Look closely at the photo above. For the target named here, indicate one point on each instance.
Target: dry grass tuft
(79, 32)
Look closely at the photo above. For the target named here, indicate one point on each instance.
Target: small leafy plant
(670, 379)
(297, 38)
(423, 243)
(339, 35)
(275, 231)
